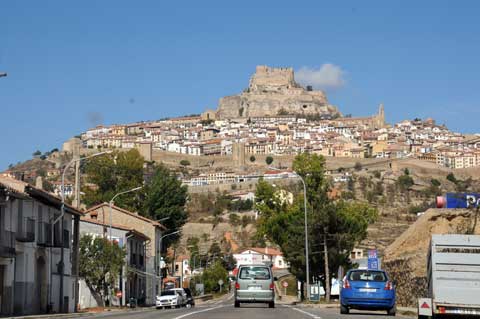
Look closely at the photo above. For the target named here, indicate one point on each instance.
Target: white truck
(453, 277)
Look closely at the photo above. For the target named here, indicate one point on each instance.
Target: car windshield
(367, 275)
(168, 293)
(259, 273)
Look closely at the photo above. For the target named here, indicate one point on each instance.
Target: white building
(131, 282)
(265, 255)
(31, 278)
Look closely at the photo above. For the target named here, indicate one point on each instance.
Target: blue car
(367, 290)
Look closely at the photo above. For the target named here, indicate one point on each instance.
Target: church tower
(381, 116)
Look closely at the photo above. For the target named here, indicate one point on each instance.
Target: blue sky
(73, 64)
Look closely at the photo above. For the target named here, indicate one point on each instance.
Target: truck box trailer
(453, 277)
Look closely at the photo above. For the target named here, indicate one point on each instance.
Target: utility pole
(327, 271)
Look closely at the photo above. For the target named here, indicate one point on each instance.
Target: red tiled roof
(148, 220)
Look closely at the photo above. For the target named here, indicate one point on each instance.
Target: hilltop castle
(272, 92)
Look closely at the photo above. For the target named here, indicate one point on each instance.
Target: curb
(83, 314)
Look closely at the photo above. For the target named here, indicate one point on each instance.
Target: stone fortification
(271, 92)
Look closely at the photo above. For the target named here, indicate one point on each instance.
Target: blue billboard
(459, 200)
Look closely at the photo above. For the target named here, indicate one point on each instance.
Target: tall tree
(100, 262)
(165, 198)
(114, 173)
(341, 223)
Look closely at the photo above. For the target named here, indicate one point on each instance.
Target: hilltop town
(276, 116)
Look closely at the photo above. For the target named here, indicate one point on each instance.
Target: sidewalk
(401, 310)
(82, 314)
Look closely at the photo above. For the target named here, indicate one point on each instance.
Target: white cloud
(327, 77)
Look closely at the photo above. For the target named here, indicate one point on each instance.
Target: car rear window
(255, 272)
(168, 293)
(367, 275)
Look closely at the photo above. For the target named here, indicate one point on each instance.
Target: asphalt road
(225, 310)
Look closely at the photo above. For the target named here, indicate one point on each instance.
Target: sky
(75, 64)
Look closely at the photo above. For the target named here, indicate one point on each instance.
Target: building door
(41, 285)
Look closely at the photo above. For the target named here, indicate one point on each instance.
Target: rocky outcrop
(272, 92)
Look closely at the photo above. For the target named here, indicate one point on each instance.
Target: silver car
(255, 283)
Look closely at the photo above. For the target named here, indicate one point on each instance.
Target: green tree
(165, 197)
(252, 158)
(212, 275)
(451, 177)
(404, 182)
(37, 153)
(100, 263)
(114, 173)
(215, 249)
(185, 162)
(269, 160)
(234, 219)
(343, 224)
(435, 182)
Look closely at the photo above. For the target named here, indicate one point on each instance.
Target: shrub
(269, 160)
(358, 166)
(252, 158)
(185, 162)
(451, 178)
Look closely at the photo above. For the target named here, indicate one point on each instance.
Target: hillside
(406, 258)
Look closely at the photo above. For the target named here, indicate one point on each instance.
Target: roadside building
(267, 255)
(150, 228)
(131, 283)
(31, 248)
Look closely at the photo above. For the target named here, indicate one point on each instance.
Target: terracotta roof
(148, 220)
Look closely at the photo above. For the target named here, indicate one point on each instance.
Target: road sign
(372, 263)
(425, 307)
(284, 284)
(372, 253)
(220, 282)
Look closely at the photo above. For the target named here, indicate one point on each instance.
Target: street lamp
(307, 267)
(110, 204)
(160, 244)
(62, 213)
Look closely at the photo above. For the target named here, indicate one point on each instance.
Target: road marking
(195, 312)
(304, 312)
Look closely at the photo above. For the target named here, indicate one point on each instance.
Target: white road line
(195, 312)
(304, 312)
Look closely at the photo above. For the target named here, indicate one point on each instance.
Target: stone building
(373, 122)
(32, 279)
(272, 92)
(131, 283)
(149, 228)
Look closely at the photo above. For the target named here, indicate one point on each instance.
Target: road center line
(195, 312)
(304, 312)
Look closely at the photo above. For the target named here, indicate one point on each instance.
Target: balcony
(44, 234)
(26, 230)
(7, 244)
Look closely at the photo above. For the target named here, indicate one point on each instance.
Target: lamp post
(110, 204)
(307, 267)
(62, 213)
(161, 274)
